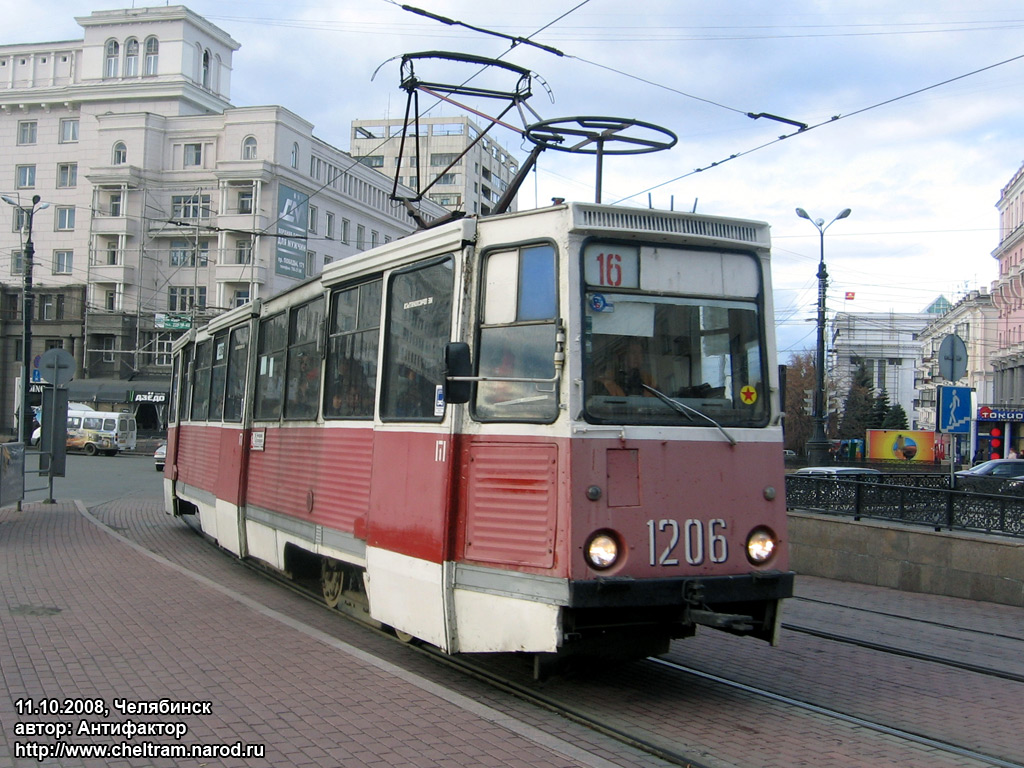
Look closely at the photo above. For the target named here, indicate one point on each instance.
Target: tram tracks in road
(910, 653)
(853, 720)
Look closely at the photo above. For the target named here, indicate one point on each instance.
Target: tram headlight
(601, 550)
(761, 545)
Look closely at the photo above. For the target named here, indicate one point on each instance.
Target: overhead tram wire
(833, 119)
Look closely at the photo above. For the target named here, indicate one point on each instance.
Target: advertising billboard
(292, 218)
(901, 444)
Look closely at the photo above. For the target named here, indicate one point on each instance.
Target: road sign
(56, 366)
(952, 358)
(955, 410)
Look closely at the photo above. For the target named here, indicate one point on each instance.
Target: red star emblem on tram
(749, 395)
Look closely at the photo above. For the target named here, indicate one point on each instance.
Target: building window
(47, 306)
(313, 216)
(116, 204)
(19, 219)
(108, 344)
(245, 201)
(62, 262)
(152, 55)
(65, 218)
(193, 155)
(26, 176)
(184, 298)
(345, 231)
(67, 174)
(444, 159)
(190, 206)
(131, 57)
(206, 69)
(17, 263)
(295, 156)
(448, 178)
(184, 253)
(372, 161)
(329, 226)
(69, 130)
(374, 238)
(27, 130)
(162, 344)
(120, 153)
(360, 237)
(113, 55)
(249, 148)
(110, 300)
(243, 251)
(241, 297)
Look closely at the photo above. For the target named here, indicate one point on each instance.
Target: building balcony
(112, 273)
(115, 225)
(240, 273)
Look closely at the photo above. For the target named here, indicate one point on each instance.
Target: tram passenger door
(409, 518)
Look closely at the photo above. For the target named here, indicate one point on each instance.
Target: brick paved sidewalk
(91, 616)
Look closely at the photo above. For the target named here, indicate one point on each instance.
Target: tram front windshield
(675, 359)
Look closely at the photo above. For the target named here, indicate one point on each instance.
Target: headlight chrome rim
(602, 550)
(762, 544)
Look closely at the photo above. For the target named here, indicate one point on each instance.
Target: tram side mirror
(457, 362)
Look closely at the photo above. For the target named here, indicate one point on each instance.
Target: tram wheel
(332, 581)
(405, 637)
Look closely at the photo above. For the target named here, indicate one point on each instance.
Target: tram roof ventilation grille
(671, 223)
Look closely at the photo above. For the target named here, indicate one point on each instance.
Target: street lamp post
(818, 448)
(24, 421)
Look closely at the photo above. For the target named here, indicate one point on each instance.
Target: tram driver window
(517, 336)
(419, 325)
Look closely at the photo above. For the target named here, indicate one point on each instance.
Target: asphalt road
(96, 479)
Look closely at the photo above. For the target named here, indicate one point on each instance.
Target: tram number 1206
(698, 542)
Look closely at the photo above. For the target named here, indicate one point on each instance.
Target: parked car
(996, 468)
(788, 454)
(160, 457)
(849, 473)
(995, 476)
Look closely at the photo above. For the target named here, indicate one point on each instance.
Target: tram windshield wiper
(686, 410)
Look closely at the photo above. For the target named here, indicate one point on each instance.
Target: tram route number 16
(698, 542)
(609, 269)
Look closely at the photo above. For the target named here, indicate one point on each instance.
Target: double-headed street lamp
(818, 447)
(27, 213)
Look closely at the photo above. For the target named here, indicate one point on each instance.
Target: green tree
(879, 410)
(857, 408)
(896, 418)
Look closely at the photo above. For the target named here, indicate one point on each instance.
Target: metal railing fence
(915, 499)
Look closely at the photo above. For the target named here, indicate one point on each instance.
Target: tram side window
(302, 392)
(517, 336)
(201, 387)
(354, 330)
(273, 342)
(419, 324)
(238, 358)
(172, 402)
(218, 375)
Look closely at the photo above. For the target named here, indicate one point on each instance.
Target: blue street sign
(955, 410)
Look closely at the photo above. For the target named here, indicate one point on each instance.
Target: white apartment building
(166, 204)
(473, 183)
(887, 344)
(974, 319)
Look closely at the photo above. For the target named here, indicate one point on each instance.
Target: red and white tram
(554, 431)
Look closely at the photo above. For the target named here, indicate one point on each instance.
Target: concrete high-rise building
(166, 204)
(473, 183)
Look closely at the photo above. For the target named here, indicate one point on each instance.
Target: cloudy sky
(915, 114)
